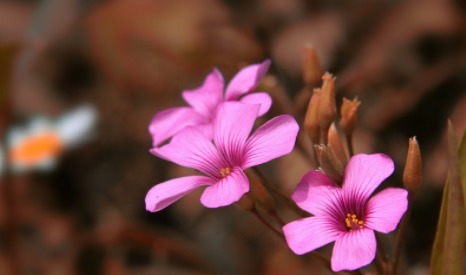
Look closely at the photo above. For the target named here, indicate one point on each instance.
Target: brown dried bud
(413, 169)
(311, 66)
(336, 143)
(311, 120)
(349, 115)
(329, 163)
(327, 106)
(259, 193)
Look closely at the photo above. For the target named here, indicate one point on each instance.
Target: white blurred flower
(38, 145)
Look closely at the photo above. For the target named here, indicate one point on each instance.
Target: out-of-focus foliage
(448, 249)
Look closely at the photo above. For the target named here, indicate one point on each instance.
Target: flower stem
(279, 194)
(275, 215)
(401, 233)
(267, 224)
(349, 142)
(309, 155)
(322, 259)
(381, 260)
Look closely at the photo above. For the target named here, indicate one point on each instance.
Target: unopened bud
(335, 141)
(327, 107)
(328, 163)
(335, 161)
(311, 66)
(311, 120)
(349, 115)
(259, 193)
(413, 169)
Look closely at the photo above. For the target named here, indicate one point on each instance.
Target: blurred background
(81, 79)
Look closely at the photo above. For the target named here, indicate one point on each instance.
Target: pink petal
(263, 99)
(226, 191)
(272, 140)
(231, 126)
(353, 250)
(206, 129)
(364, 173)
(307, 234)
(385, 209)
(191, 148)
(246, 80)
(324, 200)
(168, 122)
(304, 189)
(206, 98)
(166, 193)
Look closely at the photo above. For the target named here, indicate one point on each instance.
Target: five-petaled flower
(223, 160)
(348, 215)
(205, 99)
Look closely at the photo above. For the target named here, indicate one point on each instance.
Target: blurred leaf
(462, 160)
(448, 250)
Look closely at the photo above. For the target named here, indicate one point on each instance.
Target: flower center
(352, 222)
(225, 171)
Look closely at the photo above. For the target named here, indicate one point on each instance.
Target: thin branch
(279, 194)
(267, 224)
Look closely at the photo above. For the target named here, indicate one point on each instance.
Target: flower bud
(329, 163)
(336, 143)
(327, 106)
(413, 169)
(311, 66)
(349, 112)
(311, 120)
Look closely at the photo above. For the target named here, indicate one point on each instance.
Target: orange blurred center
(36, 148)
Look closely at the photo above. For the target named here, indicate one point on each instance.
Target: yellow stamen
(225, 171)
(352, 222)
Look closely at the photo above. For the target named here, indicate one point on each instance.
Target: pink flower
(224, 160)
(204, 100)
(349, 215)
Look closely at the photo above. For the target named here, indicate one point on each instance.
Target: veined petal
(307, 234)
(205, 98)
(302, 191)
(364, 173)
(324, 200)
(246, 80)
(191, 148)
(384, 210)
(272, 140)
(226, 191)
(353, 250)
(166, 193)
(261, 98)
(231, 128)
(167, 123)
